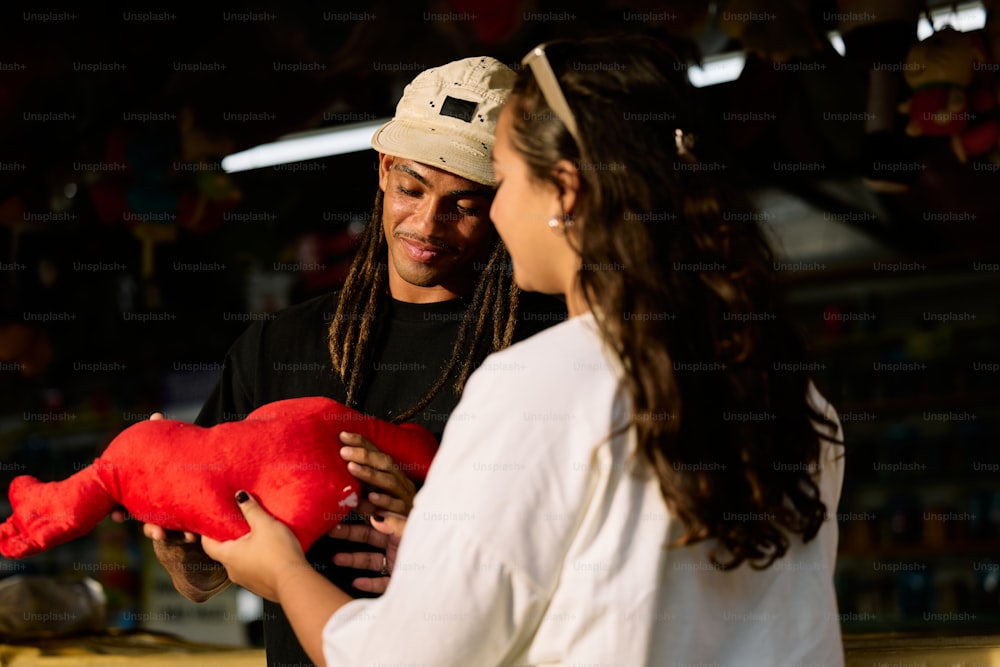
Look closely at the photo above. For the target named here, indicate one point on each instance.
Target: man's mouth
(423, 252)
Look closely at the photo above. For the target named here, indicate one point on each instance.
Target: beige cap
(447, 117)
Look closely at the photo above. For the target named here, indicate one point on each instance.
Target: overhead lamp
(716, 69)
(726, 67)
(964, 17)
(304, 146)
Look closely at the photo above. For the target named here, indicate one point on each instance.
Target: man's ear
(568, 177)
(384, 165)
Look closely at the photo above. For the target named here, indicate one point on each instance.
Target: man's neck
(401, 290)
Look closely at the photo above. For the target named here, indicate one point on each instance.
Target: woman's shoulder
(573, 344)
(566, 363)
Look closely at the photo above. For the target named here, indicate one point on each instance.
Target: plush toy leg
(51, 513)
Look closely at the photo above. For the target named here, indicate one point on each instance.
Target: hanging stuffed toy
(949, 100)
(183, 477)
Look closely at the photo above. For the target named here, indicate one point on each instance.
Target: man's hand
(154, 532)
(385, 533)
(370, 465)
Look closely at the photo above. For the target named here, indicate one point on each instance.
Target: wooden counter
(118, 648)
(921, 650)
(145, 649)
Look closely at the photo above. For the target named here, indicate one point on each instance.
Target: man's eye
(467, 211)
(407, 191)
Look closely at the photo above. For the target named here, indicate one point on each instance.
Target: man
(429, 295)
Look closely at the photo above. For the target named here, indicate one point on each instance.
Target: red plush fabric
(184, 477)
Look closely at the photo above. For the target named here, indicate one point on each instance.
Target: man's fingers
(364, 452)
(374, 477)
(155, 416)
(347, 560)
(369, 585)
(394, 491)
(375, 561)
(178, 536)
(361, 451)
(360, 561)
(365, 508)
(360, 533)
(385, 503)
(352, 532)
(154, 532)
(391, 481)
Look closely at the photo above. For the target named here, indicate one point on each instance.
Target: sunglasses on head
(549, 85)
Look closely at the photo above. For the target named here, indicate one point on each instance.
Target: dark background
(95, 336)
(147, 167)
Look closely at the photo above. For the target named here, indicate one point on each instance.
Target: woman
(644, 484)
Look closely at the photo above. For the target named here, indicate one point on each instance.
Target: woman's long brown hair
(681, 276)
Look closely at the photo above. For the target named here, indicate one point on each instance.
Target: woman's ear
(568, 177)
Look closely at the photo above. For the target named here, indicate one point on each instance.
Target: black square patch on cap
(460, 109)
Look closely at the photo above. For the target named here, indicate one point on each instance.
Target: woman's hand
(385, 533)
(269, 562)
(263, 558)
(371, 466)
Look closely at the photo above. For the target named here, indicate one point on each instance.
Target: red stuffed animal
(184, 477)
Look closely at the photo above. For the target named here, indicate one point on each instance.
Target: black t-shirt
(287, 356)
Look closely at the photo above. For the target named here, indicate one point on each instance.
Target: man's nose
(435, 214)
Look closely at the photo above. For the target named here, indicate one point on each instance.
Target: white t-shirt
(534, 542)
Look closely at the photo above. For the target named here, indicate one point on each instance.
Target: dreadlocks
(488, 325)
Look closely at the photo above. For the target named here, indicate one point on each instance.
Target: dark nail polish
(242, 497)
(378, 518)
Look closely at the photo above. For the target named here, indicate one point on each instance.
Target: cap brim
(463, 156)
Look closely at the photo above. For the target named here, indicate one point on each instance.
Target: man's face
(437, 227)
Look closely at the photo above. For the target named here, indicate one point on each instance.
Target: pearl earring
(554, 223)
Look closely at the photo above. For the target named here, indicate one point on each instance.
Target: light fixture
(964, 17)
(304, 146)
(716, 69)
(726, 67)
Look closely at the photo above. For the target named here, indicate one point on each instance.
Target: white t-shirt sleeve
(476, 567)
(448, 604)
(831, 456)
